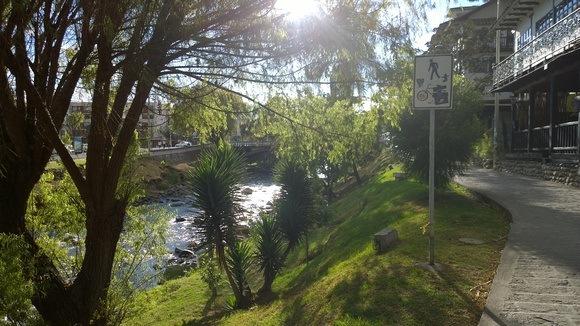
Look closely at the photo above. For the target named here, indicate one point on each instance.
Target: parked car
(183, 144)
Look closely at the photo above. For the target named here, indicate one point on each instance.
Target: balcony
(543, 49)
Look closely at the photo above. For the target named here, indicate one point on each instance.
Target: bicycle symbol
(438, 93)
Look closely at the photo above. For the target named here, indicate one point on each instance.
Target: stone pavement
(538, 278)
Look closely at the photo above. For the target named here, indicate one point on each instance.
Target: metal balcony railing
(540, 50)
(565, 140)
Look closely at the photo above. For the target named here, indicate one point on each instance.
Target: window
(525, 37)
(544, 23)
(565, 8)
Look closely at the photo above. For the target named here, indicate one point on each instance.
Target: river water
(257, 195)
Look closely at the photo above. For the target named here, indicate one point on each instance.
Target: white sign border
(448, 58)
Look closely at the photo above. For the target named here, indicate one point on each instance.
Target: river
(257, 195)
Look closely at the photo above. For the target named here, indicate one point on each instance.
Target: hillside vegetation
(345, 282)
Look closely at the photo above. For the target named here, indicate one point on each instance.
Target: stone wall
(566, 173)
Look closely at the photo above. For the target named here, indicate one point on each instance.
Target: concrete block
(384, 238)
(400, 176)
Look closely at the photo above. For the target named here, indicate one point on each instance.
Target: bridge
(248, 147)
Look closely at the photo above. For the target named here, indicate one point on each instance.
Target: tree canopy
(116, 53)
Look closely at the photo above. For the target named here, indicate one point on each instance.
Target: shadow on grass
(210, 302)
(383, 289)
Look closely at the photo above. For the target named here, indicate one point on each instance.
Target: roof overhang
(514, 12)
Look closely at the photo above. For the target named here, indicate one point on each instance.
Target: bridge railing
(251, 144)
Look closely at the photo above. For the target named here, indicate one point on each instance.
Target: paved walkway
(538, 278)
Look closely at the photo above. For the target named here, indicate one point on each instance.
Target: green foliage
(72, 123)
(239, 259)
(56, 216)
(293, 208)
(269, 249)
(470, 43)
(210, 273)
(16, 287)
(129, 188)
(395, 98)
(484, 148)
(215, 186)
(327, 137)
(138, 262)
(298, 209)
(456, 132)
(210, 112)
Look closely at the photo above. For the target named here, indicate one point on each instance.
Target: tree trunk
(356, 174)
(51, 298)
(92, 283)
(238, 293)
(267, 286)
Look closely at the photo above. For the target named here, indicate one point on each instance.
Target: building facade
(153, 125)
(469, 35)
(543, 73)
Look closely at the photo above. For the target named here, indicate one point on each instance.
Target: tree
(209, 111)
(72, 123)
(214, 182)
(55, 216)
(15, 287)
(328, 138)
(296, 204)
(269, 251)
(239, 259)
(456, 132)
(359, 37)
(470, 41)
(122, 48)
(119, 51)
(353, 135)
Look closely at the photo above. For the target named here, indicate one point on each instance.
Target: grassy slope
(346, 283)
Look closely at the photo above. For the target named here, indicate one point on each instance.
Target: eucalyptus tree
(116, 52)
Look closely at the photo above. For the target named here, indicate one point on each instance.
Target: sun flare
(297, 9)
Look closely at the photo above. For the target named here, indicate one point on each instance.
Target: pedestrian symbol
(433, 84)
(433, 67)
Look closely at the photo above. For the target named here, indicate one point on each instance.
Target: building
(153, 125)
(544, 75)
(468, 34)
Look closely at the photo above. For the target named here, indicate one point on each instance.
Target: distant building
(152, 127)
(544, 75)
(469, 36)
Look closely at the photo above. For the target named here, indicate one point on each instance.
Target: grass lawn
(346, 283)
(57, 165)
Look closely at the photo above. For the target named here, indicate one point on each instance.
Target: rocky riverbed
(183, 241)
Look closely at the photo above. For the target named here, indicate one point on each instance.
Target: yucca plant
(215, 185)
(295, 205)
(239, 259)
(269, 251)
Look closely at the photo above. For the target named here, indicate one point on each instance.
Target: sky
(438, 15)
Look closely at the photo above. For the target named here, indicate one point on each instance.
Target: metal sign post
(432, 90)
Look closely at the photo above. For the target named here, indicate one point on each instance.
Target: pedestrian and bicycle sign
(433, 82)
(432, 89)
